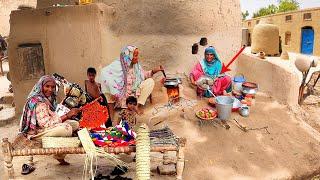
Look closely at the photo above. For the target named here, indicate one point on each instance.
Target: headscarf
(114, 76)
(36, 96)
(213, 68)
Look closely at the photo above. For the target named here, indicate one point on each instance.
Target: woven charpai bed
(161, 140)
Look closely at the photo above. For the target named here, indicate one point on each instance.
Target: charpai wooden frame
(9, 153)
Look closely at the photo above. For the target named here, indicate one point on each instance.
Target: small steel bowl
(244, 111)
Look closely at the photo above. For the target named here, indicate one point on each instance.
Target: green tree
(284, 6)
(245, 15)
(288, 5)
(271, 9)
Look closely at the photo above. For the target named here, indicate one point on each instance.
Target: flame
(173, 93)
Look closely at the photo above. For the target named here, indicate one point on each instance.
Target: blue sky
(255, 5)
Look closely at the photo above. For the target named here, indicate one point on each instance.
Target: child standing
(129, 114)
(93, 89)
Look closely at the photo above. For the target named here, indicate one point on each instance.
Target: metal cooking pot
(204, 82)
(249, 91)
(172, 82)
(249, 88)
(71, 102)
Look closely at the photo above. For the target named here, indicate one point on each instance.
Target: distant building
(299, 30)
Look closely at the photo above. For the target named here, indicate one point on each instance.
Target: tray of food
(206, 114)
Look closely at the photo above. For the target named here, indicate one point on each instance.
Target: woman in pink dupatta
(211, 67)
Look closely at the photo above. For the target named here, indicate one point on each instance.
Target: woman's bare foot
(63, 162)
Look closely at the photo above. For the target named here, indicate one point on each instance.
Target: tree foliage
(271, 9)
(245, 15)
(288, 5)
(284, 6)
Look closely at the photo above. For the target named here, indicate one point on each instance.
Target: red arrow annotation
(225, 68)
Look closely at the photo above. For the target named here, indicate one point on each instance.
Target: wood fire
(173, 93)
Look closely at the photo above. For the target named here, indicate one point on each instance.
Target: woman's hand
(73, 112)
(193, 82)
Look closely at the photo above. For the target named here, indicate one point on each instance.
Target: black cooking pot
(172, 82)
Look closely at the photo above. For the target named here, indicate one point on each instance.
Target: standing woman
(125, 77)
(39, 118)
(211, 67)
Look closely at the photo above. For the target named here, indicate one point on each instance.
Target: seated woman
(211, 67)
(39, 119)
(125, 77)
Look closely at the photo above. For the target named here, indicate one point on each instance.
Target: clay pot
(203, 41)
(265, 37)
(262, 55)
(284, 55)
(303, 63)
(195, 48)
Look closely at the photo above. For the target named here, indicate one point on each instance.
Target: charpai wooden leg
(30, 160)
(6, 151)
(180, 161)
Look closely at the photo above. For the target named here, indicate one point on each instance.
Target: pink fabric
(220, 84)
(131, 79)
(197, 71)
(45, 117)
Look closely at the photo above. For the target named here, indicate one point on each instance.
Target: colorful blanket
(120, 135)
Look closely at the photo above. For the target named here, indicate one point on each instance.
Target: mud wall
(70, 38)
(282, 83)
(75, 37)
(165, 30)
(6, 6)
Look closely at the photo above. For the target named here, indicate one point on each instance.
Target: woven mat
(163, 137)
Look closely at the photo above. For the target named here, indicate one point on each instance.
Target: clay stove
(172, 85)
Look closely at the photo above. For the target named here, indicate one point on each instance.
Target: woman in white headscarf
(125, 77)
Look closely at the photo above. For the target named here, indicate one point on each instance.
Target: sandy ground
(290, 151)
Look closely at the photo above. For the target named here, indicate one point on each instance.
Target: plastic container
(224, 106)
(237, 82)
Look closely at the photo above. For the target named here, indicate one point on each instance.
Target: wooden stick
(97, 99)
(243, 128)
(265, 127)
(157, 123)
(225, 124)
(302, 87)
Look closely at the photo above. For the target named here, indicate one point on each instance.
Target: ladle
(164, 74)
(211, 92)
